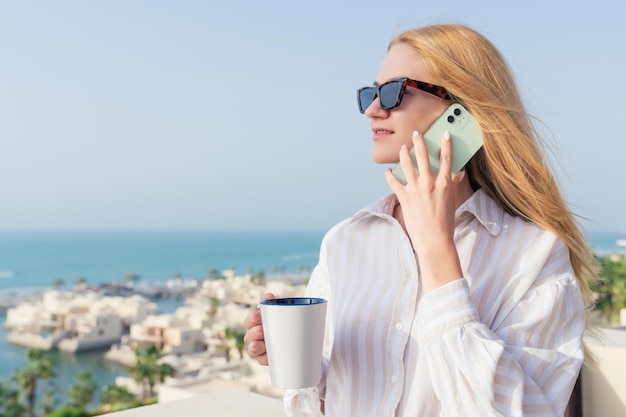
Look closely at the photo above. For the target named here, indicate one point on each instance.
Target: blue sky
(242, 114)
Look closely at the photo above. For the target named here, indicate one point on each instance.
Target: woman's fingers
(421, 154)
(251, 324)
(425, 174)
(445, 155)
(258, 351)
(395, 185)
(254, 337)
(406, 163)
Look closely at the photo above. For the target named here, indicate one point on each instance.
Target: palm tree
(49, 400)
(131, 278)
(237, 336)
(10, 405)
(139, 372)
(213, 273)
(82, 391)
(214, 304)
(147, 370)
(115, 398)
(163, 370)
(58, 283)
(258, 278)
(610, 289)
(69, 411)
(39, 367)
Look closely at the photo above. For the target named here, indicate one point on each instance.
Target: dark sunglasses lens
(390, 94)
(367, 95)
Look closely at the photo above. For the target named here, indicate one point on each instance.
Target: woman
(456, 295)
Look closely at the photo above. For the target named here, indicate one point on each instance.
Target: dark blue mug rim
(293, 301)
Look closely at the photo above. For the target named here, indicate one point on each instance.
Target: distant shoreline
(17, 294)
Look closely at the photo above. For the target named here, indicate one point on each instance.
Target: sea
(32, 261)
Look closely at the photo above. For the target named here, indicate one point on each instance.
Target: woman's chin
(384, 159)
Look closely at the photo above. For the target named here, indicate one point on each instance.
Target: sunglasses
(392, 92)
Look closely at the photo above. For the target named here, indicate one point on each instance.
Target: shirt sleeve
(527, 366)
(306, 402)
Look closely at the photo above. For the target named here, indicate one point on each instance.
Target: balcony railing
(230, 403)
(604, 383)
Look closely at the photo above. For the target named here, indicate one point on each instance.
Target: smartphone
(466, 140)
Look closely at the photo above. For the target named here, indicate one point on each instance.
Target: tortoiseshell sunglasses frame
(429, 88)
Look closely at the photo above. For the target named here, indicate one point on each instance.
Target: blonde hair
(510, 167)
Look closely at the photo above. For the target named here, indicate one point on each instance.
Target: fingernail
(403, 146)
(446, 135)
(461, 176)
(415, 133)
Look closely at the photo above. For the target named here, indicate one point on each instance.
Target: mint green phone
(466, 140)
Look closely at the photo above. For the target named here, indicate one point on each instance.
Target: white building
(96, 328)
(171, 333)
(73, 322)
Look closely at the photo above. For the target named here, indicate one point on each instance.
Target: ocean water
(37, 259)
(607, 241)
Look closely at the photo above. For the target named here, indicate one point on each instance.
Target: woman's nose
(374, 110)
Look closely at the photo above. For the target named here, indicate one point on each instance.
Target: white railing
(232, 403)
(604, 383)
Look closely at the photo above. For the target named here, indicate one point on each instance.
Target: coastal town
(202, 339)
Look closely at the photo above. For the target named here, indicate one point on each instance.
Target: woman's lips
(378, 133)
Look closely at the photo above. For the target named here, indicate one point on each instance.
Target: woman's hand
(254, 338)
(429, 201)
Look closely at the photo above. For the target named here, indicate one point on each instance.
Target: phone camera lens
(457, 112)
(450, 119)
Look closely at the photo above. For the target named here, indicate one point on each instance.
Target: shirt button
(394, 379)
(399, 326)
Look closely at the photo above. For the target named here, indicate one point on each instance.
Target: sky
(242, 114)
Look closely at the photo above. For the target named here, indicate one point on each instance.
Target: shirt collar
(485, 210)
(479, 205)
(380, 208)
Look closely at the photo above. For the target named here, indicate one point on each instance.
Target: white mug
(294, 338)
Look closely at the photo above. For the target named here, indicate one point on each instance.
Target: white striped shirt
(506, 340)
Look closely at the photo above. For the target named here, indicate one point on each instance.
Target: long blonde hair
(511, 166)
